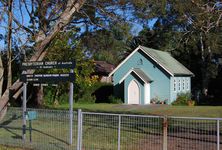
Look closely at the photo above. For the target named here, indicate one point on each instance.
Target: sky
(19, 14)
(22, 15)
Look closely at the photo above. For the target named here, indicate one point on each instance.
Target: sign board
(31, 115)
(44, 84)
(47, 64)
(47, 78)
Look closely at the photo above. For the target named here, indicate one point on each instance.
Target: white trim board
(129, 72)
(139, 48)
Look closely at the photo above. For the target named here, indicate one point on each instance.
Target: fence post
(218, 134)
(165, 126)
(79, 142)
(119, 131)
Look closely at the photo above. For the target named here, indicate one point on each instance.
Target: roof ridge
(154, 49)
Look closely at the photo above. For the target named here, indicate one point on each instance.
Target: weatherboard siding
(159, 88)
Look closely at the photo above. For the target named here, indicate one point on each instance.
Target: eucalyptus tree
(47, 19)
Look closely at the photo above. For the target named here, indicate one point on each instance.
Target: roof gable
(144, 77)
(163, 59)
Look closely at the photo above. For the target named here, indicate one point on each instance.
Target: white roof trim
(130, 71)
(111, 73)
(139, 47)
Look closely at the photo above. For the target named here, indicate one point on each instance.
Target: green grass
(50, 130)
(3, 147)
(162, 110)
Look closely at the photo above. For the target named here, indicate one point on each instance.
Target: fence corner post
(119, 131)
(165, 128)
(79, 141)
(218, 134)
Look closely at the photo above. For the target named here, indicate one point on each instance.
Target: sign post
(24, 111)
(71, 109)
(47, 78)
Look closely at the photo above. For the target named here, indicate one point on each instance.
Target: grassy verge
(4, 147)
(190, 111)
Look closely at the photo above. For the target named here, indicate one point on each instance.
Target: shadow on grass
(58, 139)
(7, 122)
(5, 125)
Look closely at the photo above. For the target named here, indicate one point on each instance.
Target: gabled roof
(163, 59)
(144, 77)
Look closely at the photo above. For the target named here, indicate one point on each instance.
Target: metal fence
(104, 131)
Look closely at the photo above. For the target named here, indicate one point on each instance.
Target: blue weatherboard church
(148, 74)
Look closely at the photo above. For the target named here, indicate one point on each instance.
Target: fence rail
(105, 131)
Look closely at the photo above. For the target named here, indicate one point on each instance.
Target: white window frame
(174, 85)
(188, 84)
(183, 84)
(179, 85)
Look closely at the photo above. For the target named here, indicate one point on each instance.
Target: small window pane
(187, 84)
(174, 85)
(183, 87)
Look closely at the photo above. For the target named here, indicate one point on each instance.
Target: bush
(96, 93)
(112, 99)
(182, 99)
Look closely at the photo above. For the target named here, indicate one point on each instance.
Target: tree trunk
(38, 96)
(66, 16)
(9, 40)
(1, 75)
(203, 68)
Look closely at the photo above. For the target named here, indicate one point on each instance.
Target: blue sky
(22, 16)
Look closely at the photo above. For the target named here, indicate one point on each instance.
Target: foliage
(97, 93)
(182, 99)
(64, 48)
(113, 100)
(107, 44)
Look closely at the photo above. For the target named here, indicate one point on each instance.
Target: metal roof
(142, 75)
(165, 60)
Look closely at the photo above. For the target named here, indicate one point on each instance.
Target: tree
(9, 42)
(1, 75)
(66, 48)
(190, 30)
(107, 44)
(61, 16)
(202, 23)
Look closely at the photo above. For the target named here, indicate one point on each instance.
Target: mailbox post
(31, 115)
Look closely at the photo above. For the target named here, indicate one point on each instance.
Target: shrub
(112, 99)
(96, 93)
(182, 99)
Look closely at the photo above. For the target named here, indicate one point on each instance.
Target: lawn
(100, 131)
(187, 111)
(3, 147)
